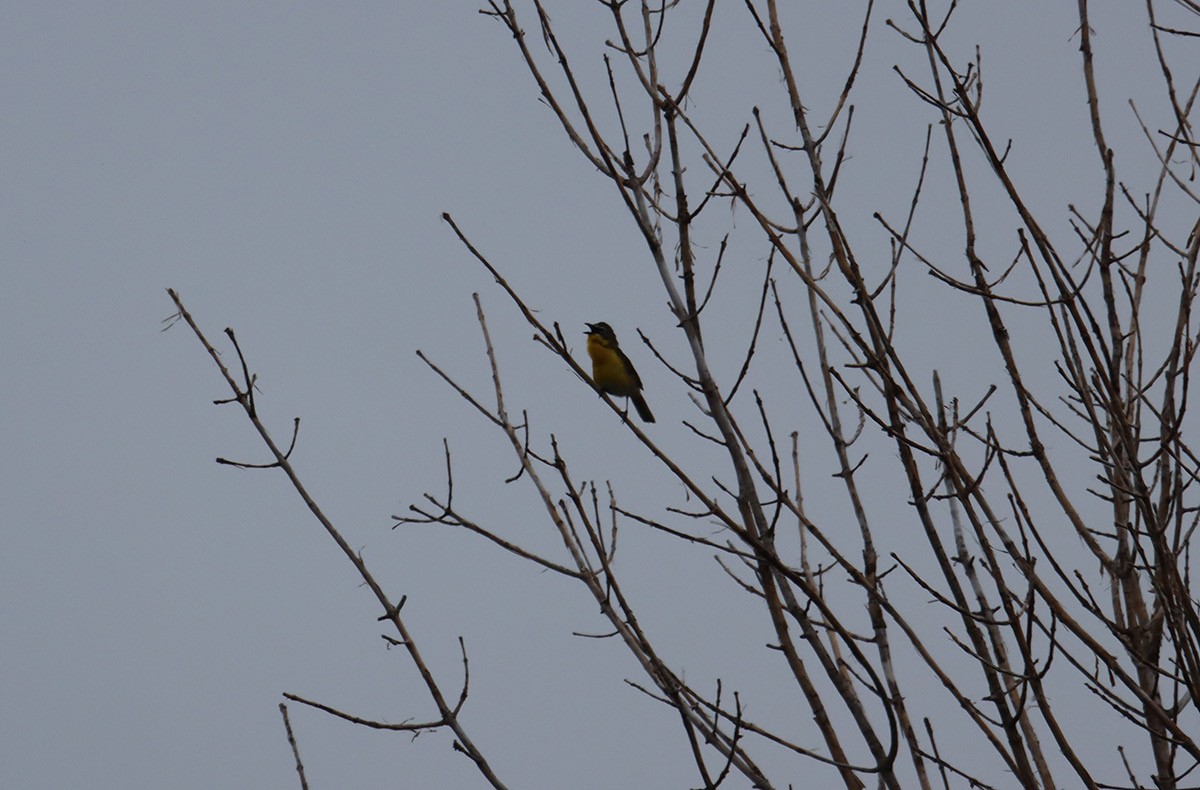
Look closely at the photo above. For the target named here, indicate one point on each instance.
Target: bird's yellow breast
(608, 368)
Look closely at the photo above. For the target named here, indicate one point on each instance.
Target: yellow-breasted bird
(611, 369)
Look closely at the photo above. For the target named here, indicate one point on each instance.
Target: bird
(612, 371)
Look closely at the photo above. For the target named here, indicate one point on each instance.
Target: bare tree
(1024, 620)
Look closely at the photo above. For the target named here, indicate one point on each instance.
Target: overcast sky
(284, 166)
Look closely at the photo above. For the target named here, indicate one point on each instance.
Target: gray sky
(284, 166)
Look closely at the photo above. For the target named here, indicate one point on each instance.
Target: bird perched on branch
(611, 369)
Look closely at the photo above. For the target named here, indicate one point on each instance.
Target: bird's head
(602, 329)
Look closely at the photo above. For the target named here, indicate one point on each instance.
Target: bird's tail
(643, 410)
